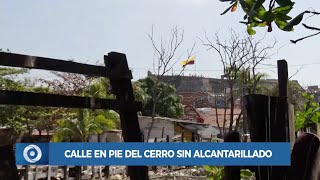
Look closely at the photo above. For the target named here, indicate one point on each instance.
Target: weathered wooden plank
(49, 173)
(283, 91)
(55, 100)
(291, 125)
(283, 78)
(267, 120)
(44, 63)
(122, 88)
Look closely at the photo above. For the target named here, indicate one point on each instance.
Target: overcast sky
(86, 30)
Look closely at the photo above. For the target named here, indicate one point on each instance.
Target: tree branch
(300, 39)
(310, 27)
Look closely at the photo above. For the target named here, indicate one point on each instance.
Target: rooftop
(203, 84)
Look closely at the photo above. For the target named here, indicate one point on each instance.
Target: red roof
(209, 115)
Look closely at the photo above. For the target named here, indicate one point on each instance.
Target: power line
(271, 66)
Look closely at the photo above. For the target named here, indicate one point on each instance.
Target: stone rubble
(119, 172)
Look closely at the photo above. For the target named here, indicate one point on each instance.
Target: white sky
(86, 30)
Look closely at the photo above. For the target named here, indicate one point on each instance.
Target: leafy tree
(6, 81)
(40, 118)
(169, 103)
(309, 115)
(140, 94)
(165, 57)
(79, 85)
(295, 92)
(82, 123)
(79, 126)
(217, 173)
(248, 82)
(262, 13)
(240, 57)
(12, 116)
(68, 83)
(98, 88)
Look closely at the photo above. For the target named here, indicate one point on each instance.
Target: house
(212, 116)
(108, 136)
(220, 116)
(198, 91)
(204, 92)
(202, 99)
(191, 114)
(163, 127)
(43, 137)
(313, 89)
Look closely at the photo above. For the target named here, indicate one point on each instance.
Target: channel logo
(32, 154)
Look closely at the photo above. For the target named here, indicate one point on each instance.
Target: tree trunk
(99, 137)
(224, 118)
(245, 122)
(217, 116)
(40, 135)
(153, 113)
(155, 98)
(231, 108)
(238, 121)
(48, 135)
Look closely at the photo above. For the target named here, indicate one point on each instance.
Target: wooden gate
(116, 69)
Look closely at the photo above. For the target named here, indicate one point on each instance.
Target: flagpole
(195, 69)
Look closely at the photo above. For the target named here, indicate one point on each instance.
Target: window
(220, 102)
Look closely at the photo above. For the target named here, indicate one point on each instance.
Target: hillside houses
(171, 127)
(210, 92)
(198, 91)
(205, 99)
(315, 91)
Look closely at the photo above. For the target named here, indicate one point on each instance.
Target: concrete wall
(109, 136)
(145, 123)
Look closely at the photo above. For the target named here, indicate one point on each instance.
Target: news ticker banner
(135, 154)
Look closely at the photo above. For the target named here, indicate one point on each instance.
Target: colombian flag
(188, 61)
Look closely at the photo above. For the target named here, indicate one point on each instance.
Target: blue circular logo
(32, 153)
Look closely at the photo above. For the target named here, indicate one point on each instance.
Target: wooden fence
(268, 120)
(268, 116)
(116, 69)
